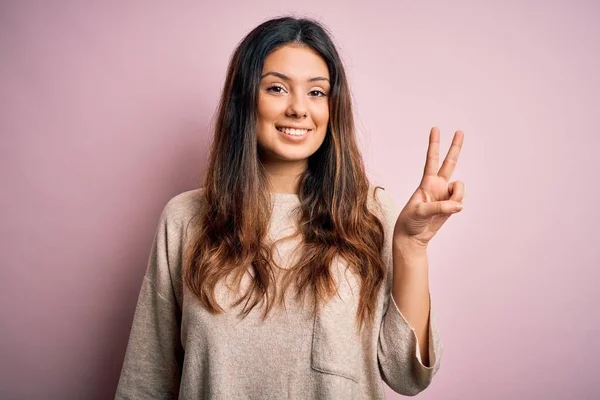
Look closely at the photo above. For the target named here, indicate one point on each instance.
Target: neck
(284, 176)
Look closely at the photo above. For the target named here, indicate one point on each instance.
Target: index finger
(433, 153)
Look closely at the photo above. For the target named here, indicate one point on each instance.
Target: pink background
(105, 112)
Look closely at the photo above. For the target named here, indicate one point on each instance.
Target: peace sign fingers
(452, 156)
(433, 155)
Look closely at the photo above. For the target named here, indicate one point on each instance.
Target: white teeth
(293, 132)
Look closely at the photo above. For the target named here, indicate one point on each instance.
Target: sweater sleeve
(154, 355)
(398, 352)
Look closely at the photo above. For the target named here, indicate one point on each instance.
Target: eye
(276, 89)
(317, 93)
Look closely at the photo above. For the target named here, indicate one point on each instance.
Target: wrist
(409, 247)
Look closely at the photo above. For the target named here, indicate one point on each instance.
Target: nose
(297, 107)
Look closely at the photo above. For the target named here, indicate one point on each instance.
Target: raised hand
(436, 198)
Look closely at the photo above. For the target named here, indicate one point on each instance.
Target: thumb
(448, 207)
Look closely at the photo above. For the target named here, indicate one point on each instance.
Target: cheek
(261, 109)
(268, 109)
(321, 115)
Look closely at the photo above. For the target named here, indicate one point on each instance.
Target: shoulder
(382, 202)
(185, 202)
(182, 208)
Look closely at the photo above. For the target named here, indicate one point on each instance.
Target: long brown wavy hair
(333, 218)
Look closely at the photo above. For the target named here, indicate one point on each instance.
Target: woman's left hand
(436, 198)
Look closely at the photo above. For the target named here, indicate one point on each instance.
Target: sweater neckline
(285, 197)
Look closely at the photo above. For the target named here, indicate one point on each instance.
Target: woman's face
(293, 106)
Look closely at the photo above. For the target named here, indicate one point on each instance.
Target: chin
(292, 156)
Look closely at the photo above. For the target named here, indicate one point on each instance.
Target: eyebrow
(287, 78)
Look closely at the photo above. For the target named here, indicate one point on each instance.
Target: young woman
(288, 275)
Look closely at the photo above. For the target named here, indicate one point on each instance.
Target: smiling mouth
(293, 131)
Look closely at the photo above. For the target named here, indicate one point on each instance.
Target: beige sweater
(178, 350)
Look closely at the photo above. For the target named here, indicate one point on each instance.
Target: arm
(408, 357)
(154, 356)
(410, 289)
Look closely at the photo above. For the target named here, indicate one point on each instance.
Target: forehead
(296, 61)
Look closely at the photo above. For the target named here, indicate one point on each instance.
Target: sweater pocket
(336, 343)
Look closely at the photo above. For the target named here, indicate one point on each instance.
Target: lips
(293, 135)
(279, 127)
(292, 127)
(293, 131)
